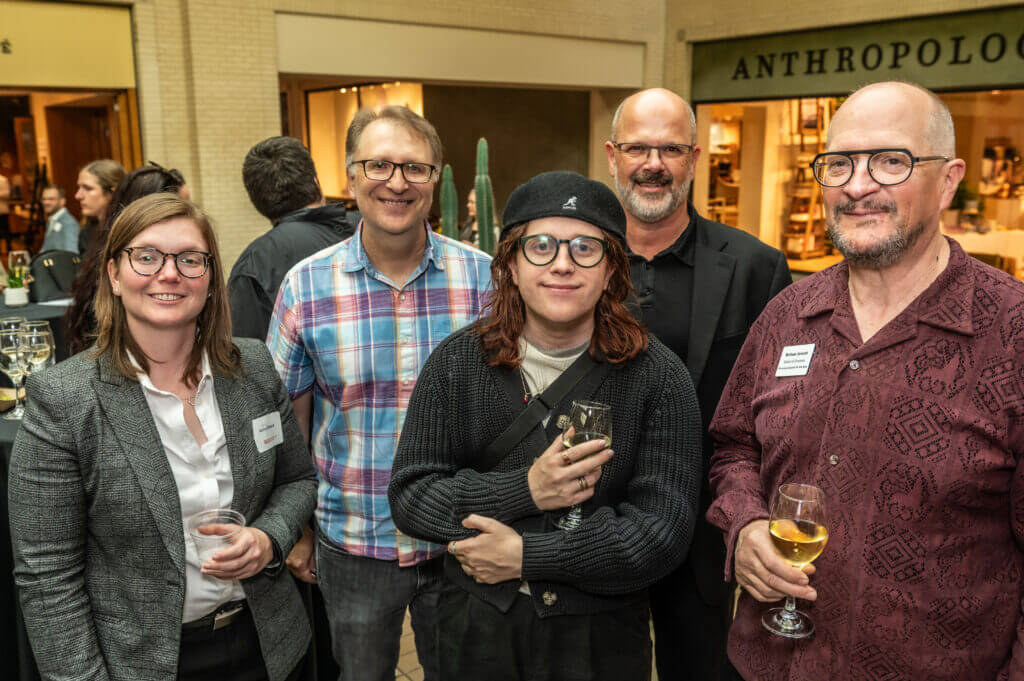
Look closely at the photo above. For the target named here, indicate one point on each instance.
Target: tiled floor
(409, 668)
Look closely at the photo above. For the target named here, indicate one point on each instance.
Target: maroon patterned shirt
(916, 438)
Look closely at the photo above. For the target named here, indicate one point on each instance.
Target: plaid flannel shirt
(358, 340)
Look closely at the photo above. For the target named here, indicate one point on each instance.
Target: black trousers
(478, 642)
(689, 634)
(231, 653)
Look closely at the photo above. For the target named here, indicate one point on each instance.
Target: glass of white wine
(36, 348)
(43, 327)
(10, 364)
(588, 421)
(799, 529)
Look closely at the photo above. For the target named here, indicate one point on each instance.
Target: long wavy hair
(213, 327)
(79, 320)
(618, 336)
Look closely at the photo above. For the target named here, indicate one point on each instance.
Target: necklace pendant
(526, 398)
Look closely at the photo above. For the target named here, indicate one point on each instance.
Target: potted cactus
(449, 204)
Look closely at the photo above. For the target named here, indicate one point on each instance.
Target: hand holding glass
(799, 529)
(587, 421)
(214, 530)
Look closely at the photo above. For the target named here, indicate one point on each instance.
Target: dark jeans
(479, 642)
(231, 653)
(366, 601)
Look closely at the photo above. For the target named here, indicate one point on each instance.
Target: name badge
(795, 360)
(267, 432)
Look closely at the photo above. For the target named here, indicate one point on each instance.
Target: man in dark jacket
(699, 286)
(281, 180)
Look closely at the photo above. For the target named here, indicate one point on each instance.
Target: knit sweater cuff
(541, 553)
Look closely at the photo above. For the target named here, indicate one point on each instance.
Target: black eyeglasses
(148, 261)
(885, 166)
(638, 150)
(380, 170)
(542, 249)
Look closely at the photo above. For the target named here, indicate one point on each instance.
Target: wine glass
(799, 529)
(10, 364)
(588, 421)
(43, 327)
(36, 348)
(11, 323)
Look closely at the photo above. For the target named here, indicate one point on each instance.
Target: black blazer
(735, 275)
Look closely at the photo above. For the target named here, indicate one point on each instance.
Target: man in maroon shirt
(909, 414)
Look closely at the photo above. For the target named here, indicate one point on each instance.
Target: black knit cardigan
(639, 523)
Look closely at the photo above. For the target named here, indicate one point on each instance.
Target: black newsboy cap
(565, 194)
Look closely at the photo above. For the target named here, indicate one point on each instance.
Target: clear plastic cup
(209, 544)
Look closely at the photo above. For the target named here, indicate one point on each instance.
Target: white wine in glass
(799, 529)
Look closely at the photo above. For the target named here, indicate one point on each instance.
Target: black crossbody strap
(537, 409)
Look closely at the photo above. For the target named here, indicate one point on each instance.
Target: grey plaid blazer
(96, 524)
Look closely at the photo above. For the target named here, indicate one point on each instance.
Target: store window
(759, 176)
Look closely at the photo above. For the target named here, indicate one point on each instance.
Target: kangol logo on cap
(570, 204)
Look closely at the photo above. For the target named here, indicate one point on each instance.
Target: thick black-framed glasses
(638, 150)
(379, 170)
(147, 261)
(542, 249)
(885, 166)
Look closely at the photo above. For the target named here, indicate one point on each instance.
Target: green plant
(449, 204)
(16, 278)
(484, 199)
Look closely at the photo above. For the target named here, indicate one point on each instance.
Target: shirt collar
(945, 304)
(683, 248)
(57, 214)
(355, 257)
(205, 373)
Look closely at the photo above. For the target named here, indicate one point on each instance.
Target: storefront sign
(51, 44)
(975, 50)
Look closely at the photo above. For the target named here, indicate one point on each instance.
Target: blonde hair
(213, 330)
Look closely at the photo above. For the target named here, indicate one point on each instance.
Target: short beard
(884, 254)
(645, 211)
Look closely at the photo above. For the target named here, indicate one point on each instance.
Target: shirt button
(549, 598)
(834, 459)
(854, 364)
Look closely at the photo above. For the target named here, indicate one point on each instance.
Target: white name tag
(795, 360)
(266, 430)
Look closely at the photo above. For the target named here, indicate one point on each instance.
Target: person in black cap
(481, 464)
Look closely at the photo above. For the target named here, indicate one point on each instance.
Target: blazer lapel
(712, 273)
(238, 438)
(129, 417)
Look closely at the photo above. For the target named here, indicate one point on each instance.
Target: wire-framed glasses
(147, 261)
(542, 249)
(885, 166)
(379, 170)
(638, 150)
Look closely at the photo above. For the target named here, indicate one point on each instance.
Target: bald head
(655, 102)
(908, 101)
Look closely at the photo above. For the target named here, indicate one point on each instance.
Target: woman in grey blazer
(165, 416)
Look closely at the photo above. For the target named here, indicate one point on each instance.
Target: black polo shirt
(664, 291)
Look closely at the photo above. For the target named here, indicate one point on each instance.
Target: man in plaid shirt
(352, 326)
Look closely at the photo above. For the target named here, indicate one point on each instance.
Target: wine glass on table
(43, 328)
(10, 364)
(799, 529)
(587, 421)
(36, 347)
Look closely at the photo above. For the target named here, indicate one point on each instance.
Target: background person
(699, 286)
(96, 184)
(527, 600)
(61, 227)
(282, 184)
(907, 415)
(79, 320)
(119, 447)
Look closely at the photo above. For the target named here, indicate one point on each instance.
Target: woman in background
(79, 321)
(166, 417)
(94, 191)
